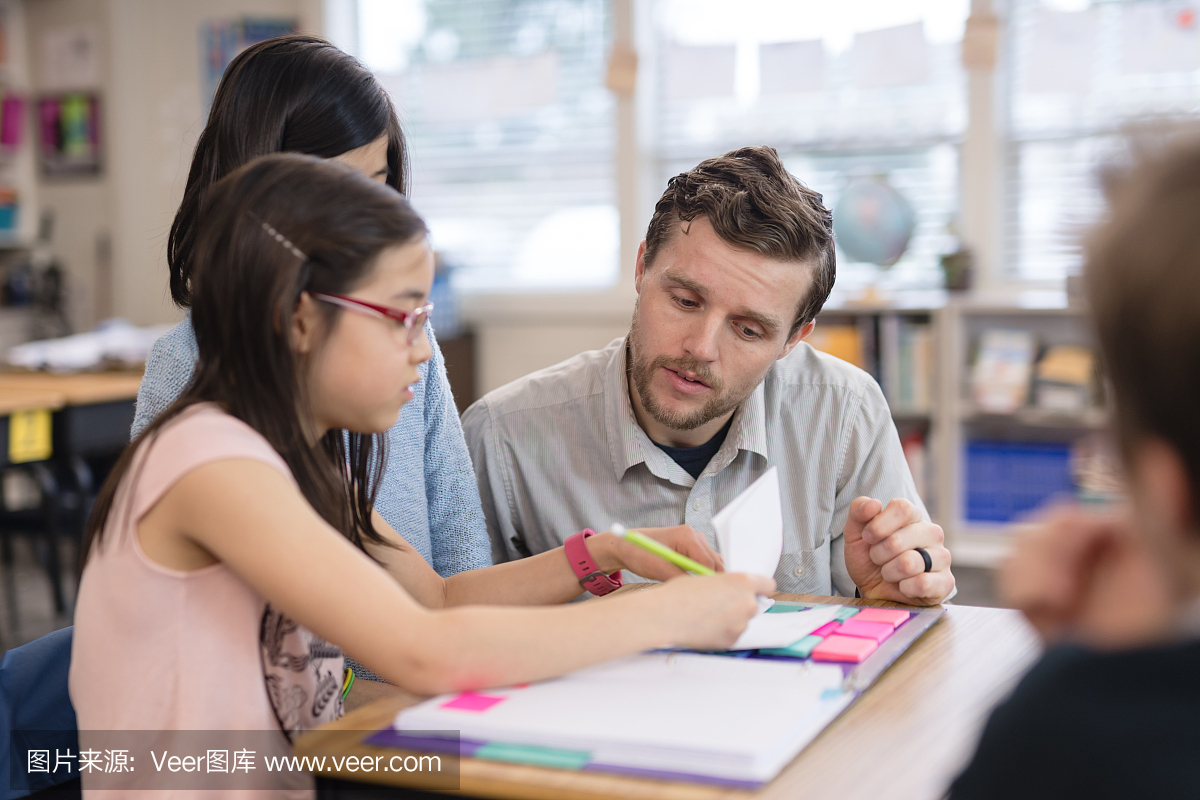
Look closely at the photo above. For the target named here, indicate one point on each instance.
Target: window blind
(1078, 81)
(510, 131)
(837, 98)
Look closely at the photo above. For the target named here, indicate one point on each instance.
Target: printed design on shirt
(302, 674)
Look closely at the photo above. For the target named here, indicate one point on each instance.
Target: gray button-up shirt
(560, 450)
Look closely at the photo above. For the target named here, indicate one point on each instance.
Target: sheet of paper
(896, 56)
(750, 528)
(1159, 37)
(781, 630)
(1062, 51)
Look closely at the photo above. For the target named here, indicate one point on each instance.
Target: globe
(873, 222)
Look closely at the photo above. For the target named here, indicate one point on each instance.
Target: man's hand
(1087, 577)
(881, 554)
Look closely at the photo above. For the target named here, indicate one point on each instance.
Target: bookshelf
(931, 338)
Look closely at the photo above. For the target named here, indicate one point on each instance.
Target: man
(711, 387)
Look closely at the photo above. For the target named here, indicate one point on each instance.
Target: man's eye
(685, 303)
(749, 333)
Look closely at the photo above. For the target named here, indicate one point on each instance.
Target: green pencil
(659, 549)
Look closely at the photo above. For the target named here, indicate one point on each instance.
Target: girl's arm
(543, 579)
(251, 517)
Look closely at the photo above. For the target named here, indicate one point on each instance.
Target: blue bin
(1005, 480)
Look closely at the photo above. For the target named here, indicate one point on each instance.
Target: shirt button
(695, 505)
(797, 571)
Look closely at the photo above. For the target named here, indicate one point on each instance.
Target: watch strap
(585, 568)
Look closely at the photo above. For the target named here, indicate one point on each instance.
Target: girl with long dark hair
(301, 94)
(241, 518)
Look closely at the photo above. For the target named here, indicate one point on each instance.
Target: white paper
(896, 56)
(782, 630)
(474, 91)
(750, 528)
(735, 718)
(1062, 51)
(791, 67)
(691, 73)
(1159, 38)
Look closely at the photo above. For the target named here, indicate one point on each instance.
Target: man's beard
(641, 374)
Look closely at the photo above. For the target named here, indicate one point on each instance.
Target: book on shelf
(898, 352)
(916, 454)
(1063, 379)
(1001, 377)
(844, 341)
(914, 362)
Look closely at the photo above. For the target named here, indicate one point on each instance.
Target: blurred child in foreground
(1111, 708)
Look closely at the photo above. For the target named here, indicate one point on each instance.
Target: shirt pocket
(804, 572)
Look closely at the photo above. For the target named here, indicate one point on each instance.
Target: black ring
(925, 555)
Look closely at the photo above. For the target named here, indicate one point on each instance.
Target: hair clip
(283, 240)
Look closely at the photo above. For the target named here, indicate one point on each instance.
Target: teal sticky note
(846, 613)
(801, 649)
(783, 607)
(537, 756)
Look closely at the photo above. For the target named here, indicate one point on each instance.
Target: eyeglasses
(413, 321)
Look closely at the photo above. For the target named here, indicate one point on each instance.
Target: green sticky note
(537, 756)
(846, 613)
(801, 649)
(783, 607)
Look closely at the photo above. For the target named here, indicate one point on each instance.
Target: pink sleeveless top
(160, 649)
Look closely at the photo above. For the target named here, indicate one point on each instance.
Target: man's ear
(639, 269)
(798, 337)
(306, 321)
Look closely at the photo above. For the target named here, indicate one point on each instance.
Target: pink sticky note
(826, 629)
(867, 630)
(892, 616)
(472, 701)
(843, 648)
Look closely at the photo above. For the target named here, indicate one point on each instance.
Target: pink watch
(589, 574)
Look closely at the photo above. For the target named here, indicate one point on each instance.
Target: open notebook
(682, 715)
(735, 718)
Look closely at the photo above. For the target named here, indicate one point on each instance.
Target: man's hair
(1143, 279)
(753, 203)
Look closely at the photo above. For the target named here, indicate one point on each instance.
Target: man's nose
(701, 339)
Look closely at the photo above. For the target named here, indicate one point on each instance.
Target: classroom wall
(152, 113)
(507, 350)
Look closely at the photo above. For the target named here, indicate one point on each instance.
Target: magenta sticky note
(867, 630)
(843, 648)
(826, 629)
(472, 701)
(892, 616)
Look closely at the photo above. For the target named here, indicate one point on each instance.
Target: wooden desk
(95, 413)
(77, 389)
(906, 737)
(92, 413)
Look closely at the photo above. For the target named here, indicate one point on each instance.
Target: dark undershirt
(695, 459)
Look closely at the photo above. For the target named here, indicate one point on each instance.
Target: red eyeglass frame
(413, 321)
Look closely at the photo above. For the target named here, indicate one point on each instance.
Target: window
(844, 91)
(511, 134)
(1079, 74)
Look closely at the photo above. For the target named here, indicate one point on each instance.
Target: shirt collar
(628, 444)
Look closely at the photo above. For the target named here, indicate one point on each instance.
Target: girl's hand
(612, 552)
(710, 612)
